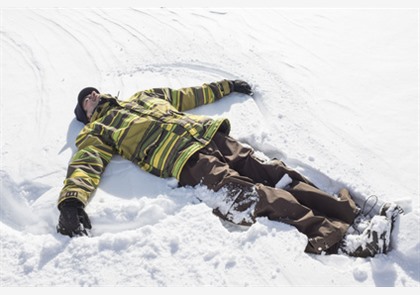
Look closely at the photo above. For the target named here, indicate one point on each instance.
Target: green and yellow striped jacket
(149, 129)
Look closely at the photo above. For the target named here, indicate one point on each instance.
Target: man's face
(90, 102)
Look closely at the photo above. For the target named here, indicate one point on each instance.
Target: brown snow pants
(248, 185)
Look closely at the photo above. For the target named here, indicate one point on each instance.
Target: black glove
(242, 87)
(73, 220)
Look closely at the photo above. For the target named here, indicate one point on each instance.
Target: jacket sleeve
(85, 168)
(191, 97)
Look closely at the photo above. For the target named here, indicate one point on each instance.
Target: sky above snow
(336, 97)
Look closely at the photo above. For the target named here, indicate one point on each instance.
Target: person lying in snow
(152, 130)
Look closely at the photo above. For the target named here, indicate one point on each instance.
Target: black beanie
(78, 111)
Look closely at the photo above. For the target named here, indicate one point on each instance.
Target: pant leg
(208, 167)
(243, 160)
(318, 219)
(238, 195)
(342, 207)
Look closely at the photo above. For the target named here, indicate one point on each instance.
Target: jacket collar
(107, 102)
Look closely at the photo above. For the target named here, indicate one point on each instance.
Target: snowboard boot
(375, 239)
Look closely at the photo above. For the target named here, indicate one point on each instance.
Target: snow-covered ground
(336, 97)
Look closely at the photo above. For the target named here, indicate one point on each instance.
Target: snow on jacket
(150, 129)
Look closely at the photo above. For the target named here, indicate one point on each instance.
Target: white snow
(336, 97)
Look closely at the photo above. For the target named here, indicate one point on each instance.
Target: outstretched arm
(191, 97)
(85, 169)
(83, 176)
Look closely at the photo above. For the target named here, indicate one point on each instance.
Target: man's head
(87, 101)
